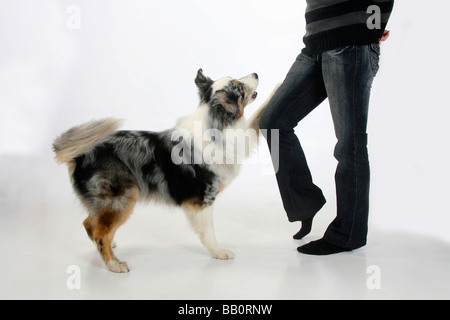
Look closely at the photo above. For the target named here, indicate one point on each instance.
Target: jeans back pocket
(374, 53)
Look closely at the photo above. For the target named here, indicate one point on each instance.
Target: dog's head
(226, 97)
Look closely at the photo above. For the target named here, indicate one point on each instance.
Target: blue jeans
(345, 76)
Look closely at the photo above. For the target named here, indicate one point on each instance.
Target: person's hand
(386, 35)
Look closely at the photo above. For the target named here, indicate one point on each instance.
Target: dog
(112, 170)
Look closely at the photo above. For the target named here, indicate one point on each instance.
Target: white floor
(42, 239)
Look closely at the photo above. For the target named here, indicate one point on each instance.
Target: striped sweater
(331, 24)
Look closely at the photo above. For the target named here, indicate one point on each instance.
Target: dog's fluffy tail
(80, 139)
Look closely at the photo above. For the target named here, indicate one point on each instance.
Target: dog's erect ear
(204, 85)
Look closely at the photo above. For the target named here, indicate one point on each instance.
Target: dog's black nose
(256, 75)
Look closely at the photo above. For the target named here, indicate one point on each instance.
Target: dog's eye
(241, 87)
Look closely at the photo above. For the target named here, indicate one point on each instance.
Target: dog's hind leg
(101, 228)
(201, 220)
(88, 226)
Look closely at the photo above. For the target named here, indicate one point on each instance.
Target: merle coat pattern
(112, 170)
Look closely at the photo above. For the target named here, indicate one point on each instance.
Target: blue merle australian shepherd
(112, 170)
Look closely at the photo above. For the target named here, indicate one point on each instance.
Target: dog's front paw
(223, 254)
(276, 89)
(117, 266)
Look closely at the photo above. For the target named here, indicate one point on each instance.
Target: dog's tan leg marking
(201, 220)
(101, 228)
(88, 226)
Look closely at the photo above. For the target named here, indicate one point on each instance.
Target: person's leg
(348, 75)
(301, 92)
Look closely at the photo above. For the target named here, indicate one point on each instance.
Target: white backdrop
(138, 59)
